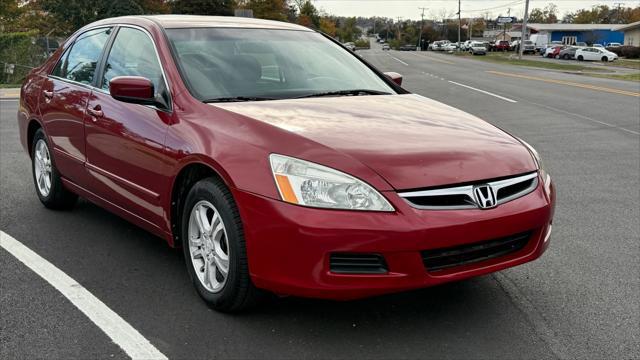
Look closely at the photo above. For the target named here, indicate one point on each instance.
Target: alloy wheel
(208, 246)
(42, 167)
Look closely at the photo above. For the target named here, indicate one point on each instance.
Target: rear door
(64, 98)
(125, 142)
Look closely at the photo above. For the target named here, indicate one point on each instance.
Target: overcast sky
(408, 9)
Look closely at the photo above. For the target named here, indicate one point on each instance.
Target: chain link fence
(22, 51)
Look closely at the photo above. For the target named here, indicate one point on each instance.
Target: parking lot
(580, 300)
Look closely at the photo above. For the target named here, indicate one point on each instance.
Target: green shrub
(362, 43)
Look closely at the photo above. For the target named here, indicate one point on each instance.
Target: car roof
(191, 21)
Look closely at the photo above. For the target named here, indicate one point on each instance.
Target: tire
(557, 56)
(580, 58)
(46, 177)
(566, 56)
(232, 293)
(605, 59)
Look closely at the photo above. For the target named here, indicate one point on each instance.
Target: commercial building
(572, 33)
(631, 33)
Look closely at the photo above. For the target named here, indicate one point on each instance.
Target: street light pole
(421, 27)
(459, 23)
(523, 34)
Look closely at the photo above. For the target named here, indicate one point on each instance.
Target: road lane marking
(568, 83)
(120, 332)
(484, 92)
(583, 117)
(431, 58)
(399, 60)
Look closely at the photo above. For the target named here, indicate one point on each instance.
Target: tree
(348, 30)
(328, 26)
(548, 15)
(267, 9)
(308, 14)
(203, 7)
(123, 7)
(74, 14)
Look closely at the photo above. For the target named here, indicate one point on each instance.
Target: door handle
(95, 112)
(47, 94)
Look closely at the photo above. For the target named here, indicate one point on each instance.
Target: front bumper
(289, 246)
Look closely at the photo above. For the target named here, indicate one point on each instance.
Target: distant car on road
(599, 46)
(386, 47)
(351, 46)
(502, 45)
(568, 53)
(552, 51)
(595, 54)
(581, 44)
(614, 45)
(477, 48)
(528, 47)
(407, 47)
(451, 47)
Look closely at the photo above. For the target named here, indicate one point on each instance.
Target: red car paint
(127, 157)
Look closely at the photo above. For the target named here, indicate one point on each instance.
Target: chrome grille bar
(462, 197)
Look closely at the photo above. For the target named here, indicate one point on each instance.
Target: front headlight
(543, 173)
(305, 183)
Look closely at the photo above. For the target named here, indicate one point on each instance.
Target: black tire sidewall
(212, 191)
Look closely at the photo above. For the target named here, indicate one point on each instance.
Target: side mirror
(395, 77)
(132, 89)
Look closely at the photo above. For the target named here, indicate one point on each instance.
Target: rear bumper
(289, 246)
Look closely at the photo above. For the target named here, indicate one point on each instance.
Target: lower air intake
(440, 259)
(348, 263)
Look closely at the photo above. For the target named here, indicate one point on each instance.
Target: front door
(124, 142)
(64, 98)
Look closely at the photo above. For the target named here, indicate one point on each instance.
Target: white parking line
(123, 334)
(405, 64)
(484, 92)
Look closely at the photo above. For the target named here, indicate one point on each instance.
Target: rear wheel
(566, 56)
(46, 178)
(214, 247)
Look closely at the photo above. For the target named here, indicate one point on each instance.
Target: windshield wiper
(238, 98)
(354, 92)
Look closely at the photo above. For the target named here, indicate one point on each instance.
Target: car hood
(409, 140)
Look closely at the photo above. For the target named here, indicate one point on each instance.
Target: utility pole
(459, 23)
(399, 29)
(421, 27)
(618, 5)
(523, 33)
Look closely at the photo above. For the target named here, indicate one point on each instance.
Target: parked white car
(451, 47)
(477, 48)
(595, 54)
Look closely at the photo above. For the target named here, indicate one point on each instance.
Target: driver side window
(133, 54)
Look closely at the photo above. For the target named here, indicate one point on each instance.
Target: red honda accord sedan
(278, 160)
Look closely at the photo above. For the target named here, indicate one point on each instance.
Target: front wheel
(605, 59)
(580, 58)
(566, 56)
(214, 247)
(46, 178)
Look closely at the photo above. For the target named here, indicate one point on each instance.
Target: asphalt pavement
(580, 300)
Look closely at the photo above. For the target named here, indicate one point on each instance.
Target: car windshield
(219, 64)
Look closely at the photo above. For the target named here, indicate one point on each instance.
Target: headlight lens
(543, 173)
(305, 183)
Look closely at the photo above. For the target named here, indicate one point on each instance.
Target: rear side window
(133, 54)
(80, 61)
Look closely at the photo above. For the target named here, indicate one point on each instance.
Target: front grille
(462, 197)
(439, 259)
(348, 263)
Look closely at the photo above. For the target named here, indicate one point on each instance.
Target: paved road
(580, 300)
